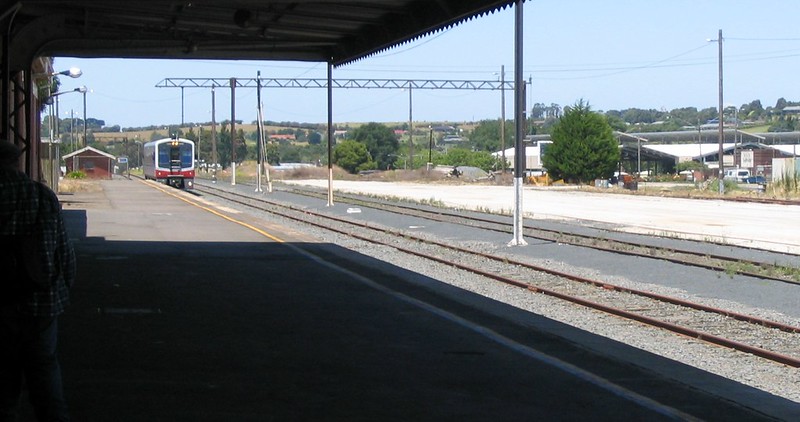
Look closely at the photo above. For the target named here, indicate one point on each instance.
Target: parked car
(737, 175)
(760, 180)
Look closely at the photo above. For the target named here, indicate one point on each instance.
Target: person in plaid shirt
(38, 269)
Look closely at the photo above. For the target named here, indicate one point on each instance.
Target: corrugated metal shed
(684, 152)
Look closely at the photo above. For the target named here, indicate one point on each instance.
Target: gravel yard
(772, 227)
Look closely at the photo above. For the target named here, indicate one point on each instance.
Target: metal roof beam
(475, 85)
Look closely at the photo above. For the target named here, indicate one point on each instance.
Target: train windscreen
(186, 155)
(170, 154)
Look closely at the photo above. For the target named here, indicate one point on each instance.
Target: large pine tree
(380, 141)
(583, 146)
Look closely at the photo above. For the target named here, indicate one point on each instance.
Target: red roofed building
(94, 163)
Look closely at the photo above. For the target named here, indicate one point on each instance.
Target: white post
(260, 139)
(258, 178)
(520, 159)
(721, 173)
(330, 134)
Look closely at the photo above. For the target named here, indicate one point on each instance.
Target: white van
(737, 175)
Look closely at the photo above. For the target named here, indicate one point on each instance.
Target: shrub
(729, 185)
(789, 182)
(583, 147)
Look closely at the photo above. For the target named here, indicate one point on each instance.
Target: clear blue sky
(615, 54)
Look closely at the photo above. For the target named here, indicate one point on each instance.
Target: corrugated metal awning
(331, 31)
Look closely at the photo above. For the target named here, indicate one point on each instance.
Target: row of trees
(70, 131)
(485, 137)
(645, 120)
(753, 111)
(579, 133)
(584, 148)
(375, 147)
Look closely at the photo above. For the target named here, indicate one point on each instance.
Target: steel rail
(686, 331)
(532, 232)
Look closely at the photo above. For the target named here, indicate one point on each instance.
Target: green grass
(757, 129)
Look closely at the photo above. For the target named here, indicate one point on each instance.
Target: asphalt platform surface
(184, 311)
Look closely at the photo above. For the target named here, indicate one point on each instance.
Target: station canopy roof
(334, 31)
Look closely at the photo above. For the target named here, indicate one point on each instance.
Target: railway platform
(187, 311)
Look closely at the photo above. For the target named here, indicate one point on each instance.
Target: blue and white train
(170, 161)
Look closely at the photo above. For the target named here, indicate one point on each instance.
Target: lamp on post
(138, 151)
(52, 152)
(53, 98)
(50, 99)
(72, 72)
(54, 155)
(72, 129)
(83, 91)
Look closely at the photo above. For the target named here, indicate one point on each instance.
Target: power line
(763, 39)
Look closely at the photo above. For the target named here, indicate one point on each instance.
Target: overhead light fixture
(49, 100)
(72, 72)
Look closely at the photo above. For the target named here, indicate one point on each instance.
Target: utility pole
(330, 134)
(721, 132)
(530, 104)
(182, 107)
(213, 135)
(233, 121)
(503, 115)
(259, 138)
(85, 141)
(72, 136)
(58, 122)
(410, 130)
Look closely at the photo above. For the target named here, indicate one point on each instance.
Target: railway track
(756, 336)
(703, 259)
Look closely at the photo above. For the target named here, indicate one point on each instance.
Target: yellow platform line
(217, 213)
